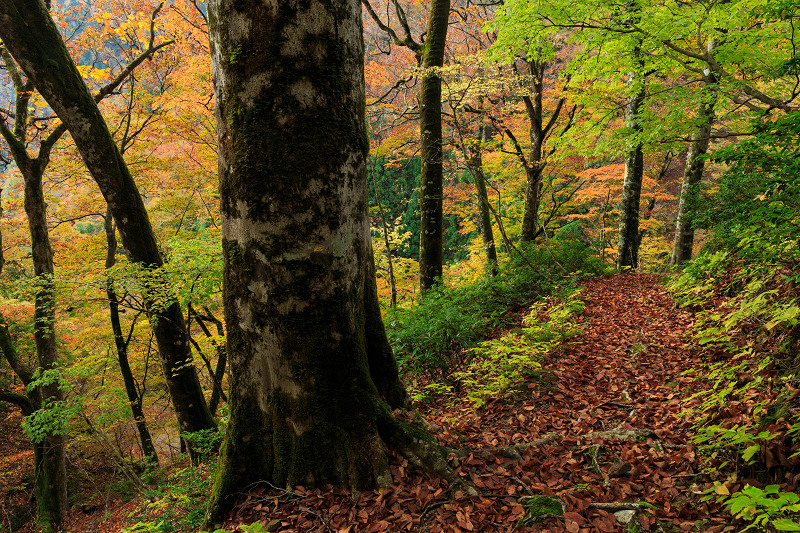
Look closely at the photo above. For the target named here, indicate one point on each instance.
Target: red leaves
(613, 375)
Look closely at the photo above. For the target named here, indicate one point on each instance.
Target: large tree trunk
(33, 40)
(430, 127)
(628, 243)
(307, 350)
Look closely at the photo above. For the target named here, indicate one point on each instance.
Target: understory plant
(745, 290)
(176, 502)
(499, 365)
(435, 338)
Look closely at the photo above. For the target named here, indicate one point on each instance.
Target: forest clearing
(399, 265)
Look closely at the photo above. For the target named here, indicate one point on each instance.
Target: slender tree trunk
(628, 245)
(218, 373)
(49, 454)
(132, 390)
(475, 165)
(385, 228)
(695, 164)
(33, 40)
(430, 126)
(533, 189)
(535, 164)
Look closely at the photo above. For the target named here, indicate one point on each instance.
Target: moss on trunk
(430, 127)
(308, 354)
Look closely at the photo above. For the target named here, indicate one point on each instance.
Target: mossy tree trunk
(312, 375)
(33, 40)
(49, 453)
(430, 126)
(629, 237)
(695, 165)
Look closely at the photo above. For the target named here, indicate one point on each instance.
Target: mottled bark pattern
(430, 127)
(628, 245)
(695, 164)
(306, 347)
(32, 38)
(535, 163)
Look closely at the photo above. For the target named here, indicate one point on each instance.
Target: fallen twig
(621, 506)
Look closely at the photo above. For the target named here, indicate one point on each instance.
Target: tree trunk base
(368, 454)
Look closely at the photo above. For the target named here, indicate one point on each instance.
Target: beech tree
(430, 57)
(313, 378)
(30, 35)
(49, 450)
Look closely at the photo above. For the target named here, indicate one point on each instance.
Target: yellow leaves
(92, 75)
(131, 27)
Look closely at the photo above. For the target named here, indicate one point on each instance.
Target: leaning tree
(32, 39)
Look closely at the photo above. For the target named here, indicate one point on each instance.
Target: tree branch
(17, 399)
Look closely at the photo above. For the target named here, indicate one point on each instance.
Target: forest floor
(626, 370)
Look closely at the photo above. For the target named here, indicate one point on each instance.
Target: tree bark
(535, 164)
(628, 242)
(49, 453)
(475, 166)
(695, 165)
(692, 176)
(430, 127)
(33, 40)
(307, 349)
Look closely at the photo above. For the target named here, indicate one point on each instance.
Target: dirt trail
(623, 371)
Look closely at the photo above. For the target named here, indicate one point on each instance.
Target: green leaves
(767, 506)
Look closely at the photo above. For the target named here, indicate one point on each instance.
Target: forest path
(624, 370)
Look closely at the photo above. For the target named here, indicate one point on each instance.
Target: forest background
(594, 117)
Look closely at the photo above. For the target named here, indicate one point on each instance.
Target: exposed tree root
(423, 454)
(620, 506)
(624, 434)
(515, 452)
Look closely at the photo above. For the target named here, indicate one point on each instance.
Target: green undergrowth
(745, 290)
(498, 366)
(440, 342)
(174, 502)
(747, 325)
